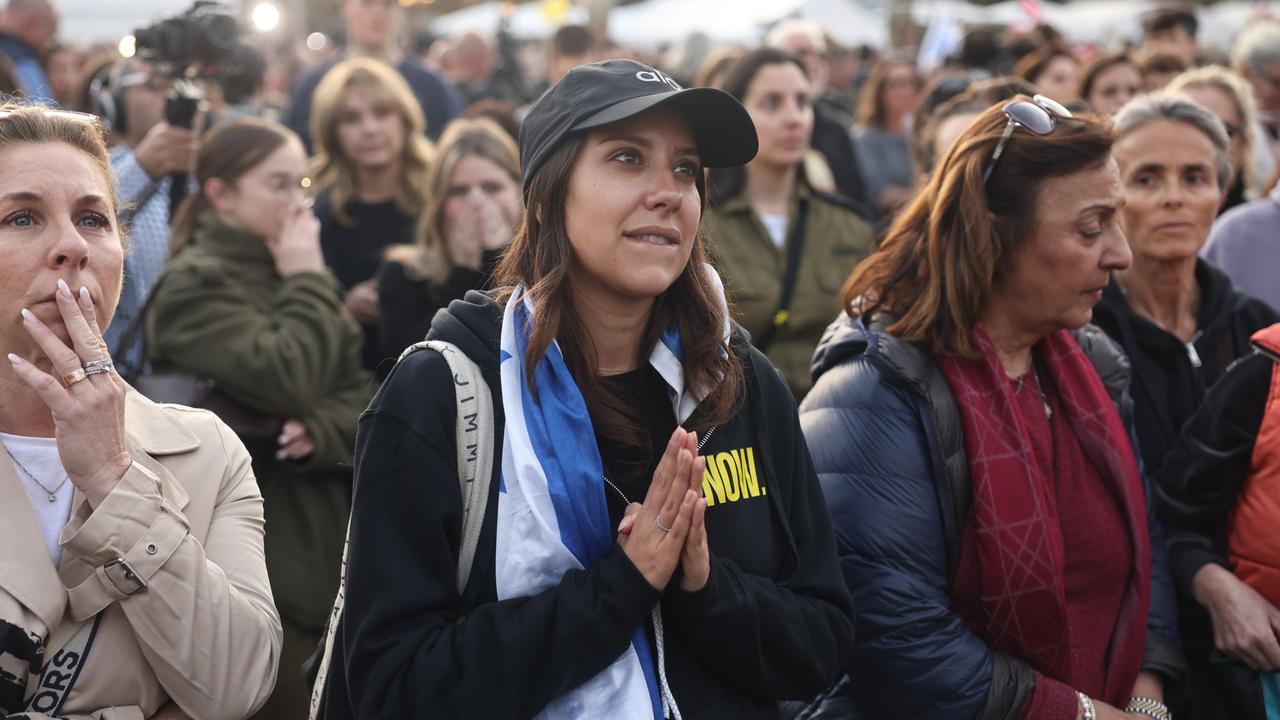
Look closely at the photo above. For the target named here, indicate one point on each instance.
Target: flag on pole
(942, 38)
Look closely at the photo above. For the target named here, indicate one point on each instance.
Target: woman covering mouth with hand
(655, 543)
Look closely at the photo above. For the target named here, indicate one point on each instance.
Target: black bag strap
(795, 248)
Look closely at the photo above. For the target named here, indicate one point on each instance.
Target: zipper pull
(1193, 355)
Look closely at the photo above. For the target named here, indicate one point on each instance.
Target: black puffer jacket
(888, 444)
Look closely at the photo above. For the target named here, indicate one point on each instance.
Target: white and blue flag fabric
(552, 515)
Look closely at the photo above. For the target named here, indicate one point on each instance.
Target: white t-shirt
(776, 224)
(40, 456)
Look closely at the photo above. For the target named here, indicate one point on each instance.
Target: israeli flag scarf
(552, 515)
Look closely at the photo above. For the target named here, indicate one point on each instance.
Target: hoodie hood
(1219, 302)
(474, 325)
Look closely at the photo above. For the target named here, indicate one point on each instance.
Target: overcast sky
(88, 21)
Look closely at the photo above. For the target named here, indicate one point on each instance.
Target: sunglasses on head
(63, 114)
(1040, 115)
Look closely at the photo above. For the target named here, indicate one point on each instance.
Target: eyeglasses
(87, 118)
(1040, 115)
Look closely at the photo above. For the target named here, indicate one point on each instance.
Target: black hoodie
(773, 622)
(1169, 379)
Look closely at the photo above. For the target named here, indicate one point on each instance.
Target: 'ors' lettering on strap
(59, 675)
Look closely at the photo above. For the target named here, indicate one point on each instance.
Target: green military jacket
(753, 267)
(283, 346)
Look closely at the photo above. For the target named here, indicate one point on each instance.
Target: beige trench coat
(187, 517)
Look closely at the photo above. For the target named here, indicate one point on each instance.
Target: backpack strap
(474, 432)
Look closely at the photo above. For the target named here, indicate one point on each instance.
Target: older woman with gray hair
(1178, 317)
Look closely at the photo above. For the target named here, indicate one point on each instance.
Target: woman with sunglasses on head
(971, 432)
(132, 578)
(1178, 318)
(655, 543)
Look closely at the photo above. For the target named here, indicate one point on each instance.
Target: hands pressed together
(668, 530)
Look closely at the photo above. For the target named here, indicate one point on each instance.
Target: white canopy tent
(527, 22)
(659, 22)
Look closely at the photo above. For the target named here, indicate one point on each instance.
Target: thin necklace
(1033, 371)
(53, 494)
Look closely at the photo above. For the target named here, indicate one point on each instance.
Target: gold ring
(74, 377)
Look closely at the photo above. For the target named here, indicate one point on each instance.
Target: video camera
(202, 43)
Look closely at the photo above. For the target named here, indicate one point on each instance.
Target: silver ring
(658, 522)
(98, 367)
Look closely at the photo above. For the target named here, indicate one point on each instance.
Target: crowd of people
(781, 381)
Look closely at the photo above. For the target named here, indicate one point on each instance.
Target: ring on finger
(658, 521)
(98, 367)
(74, 377)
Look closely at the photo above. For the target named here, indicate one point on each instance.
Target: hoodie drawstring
(669, 709)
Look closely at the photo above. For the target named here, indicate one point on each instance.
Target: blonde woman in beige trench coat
(132, 579)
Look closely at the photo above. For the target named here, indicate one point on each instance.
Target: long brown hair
(950, 247)
(332, 170)
(429, 258)
(229, 151)
(540, 257)
(871, 109)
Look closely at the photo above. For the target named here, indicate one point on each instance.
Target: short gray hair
(1257, 50)
(1179, 109)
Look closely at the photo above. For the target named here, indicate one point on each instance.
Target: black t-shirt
(631, 468)
(354, 252)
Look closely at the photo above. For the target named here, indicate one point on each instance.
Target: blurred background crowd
(409, 113)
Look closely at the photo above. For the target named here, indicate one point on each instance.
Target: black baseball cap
(602, 93)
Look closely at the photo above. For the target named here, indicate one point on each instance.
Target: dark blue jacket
(888, 444)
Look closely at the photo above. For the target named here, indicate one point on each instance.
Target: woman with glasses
(970, 431)
(1179, 319)
(132, 579)
(1229, 97)
(247, 305)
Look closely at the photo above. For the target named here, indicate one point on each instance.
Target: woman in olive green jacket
(767, 210)
(248, 304)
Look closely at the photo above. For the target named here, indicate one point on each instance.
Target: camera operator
(148, 155)
(371, 32)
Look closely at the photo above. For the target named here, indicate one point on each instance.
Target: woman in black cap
(654, 542)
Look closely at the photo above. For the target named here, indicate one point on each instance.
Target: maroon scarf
(1014, 522)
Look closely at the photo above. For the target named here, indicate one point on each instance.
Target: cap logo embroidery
(658, 76)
